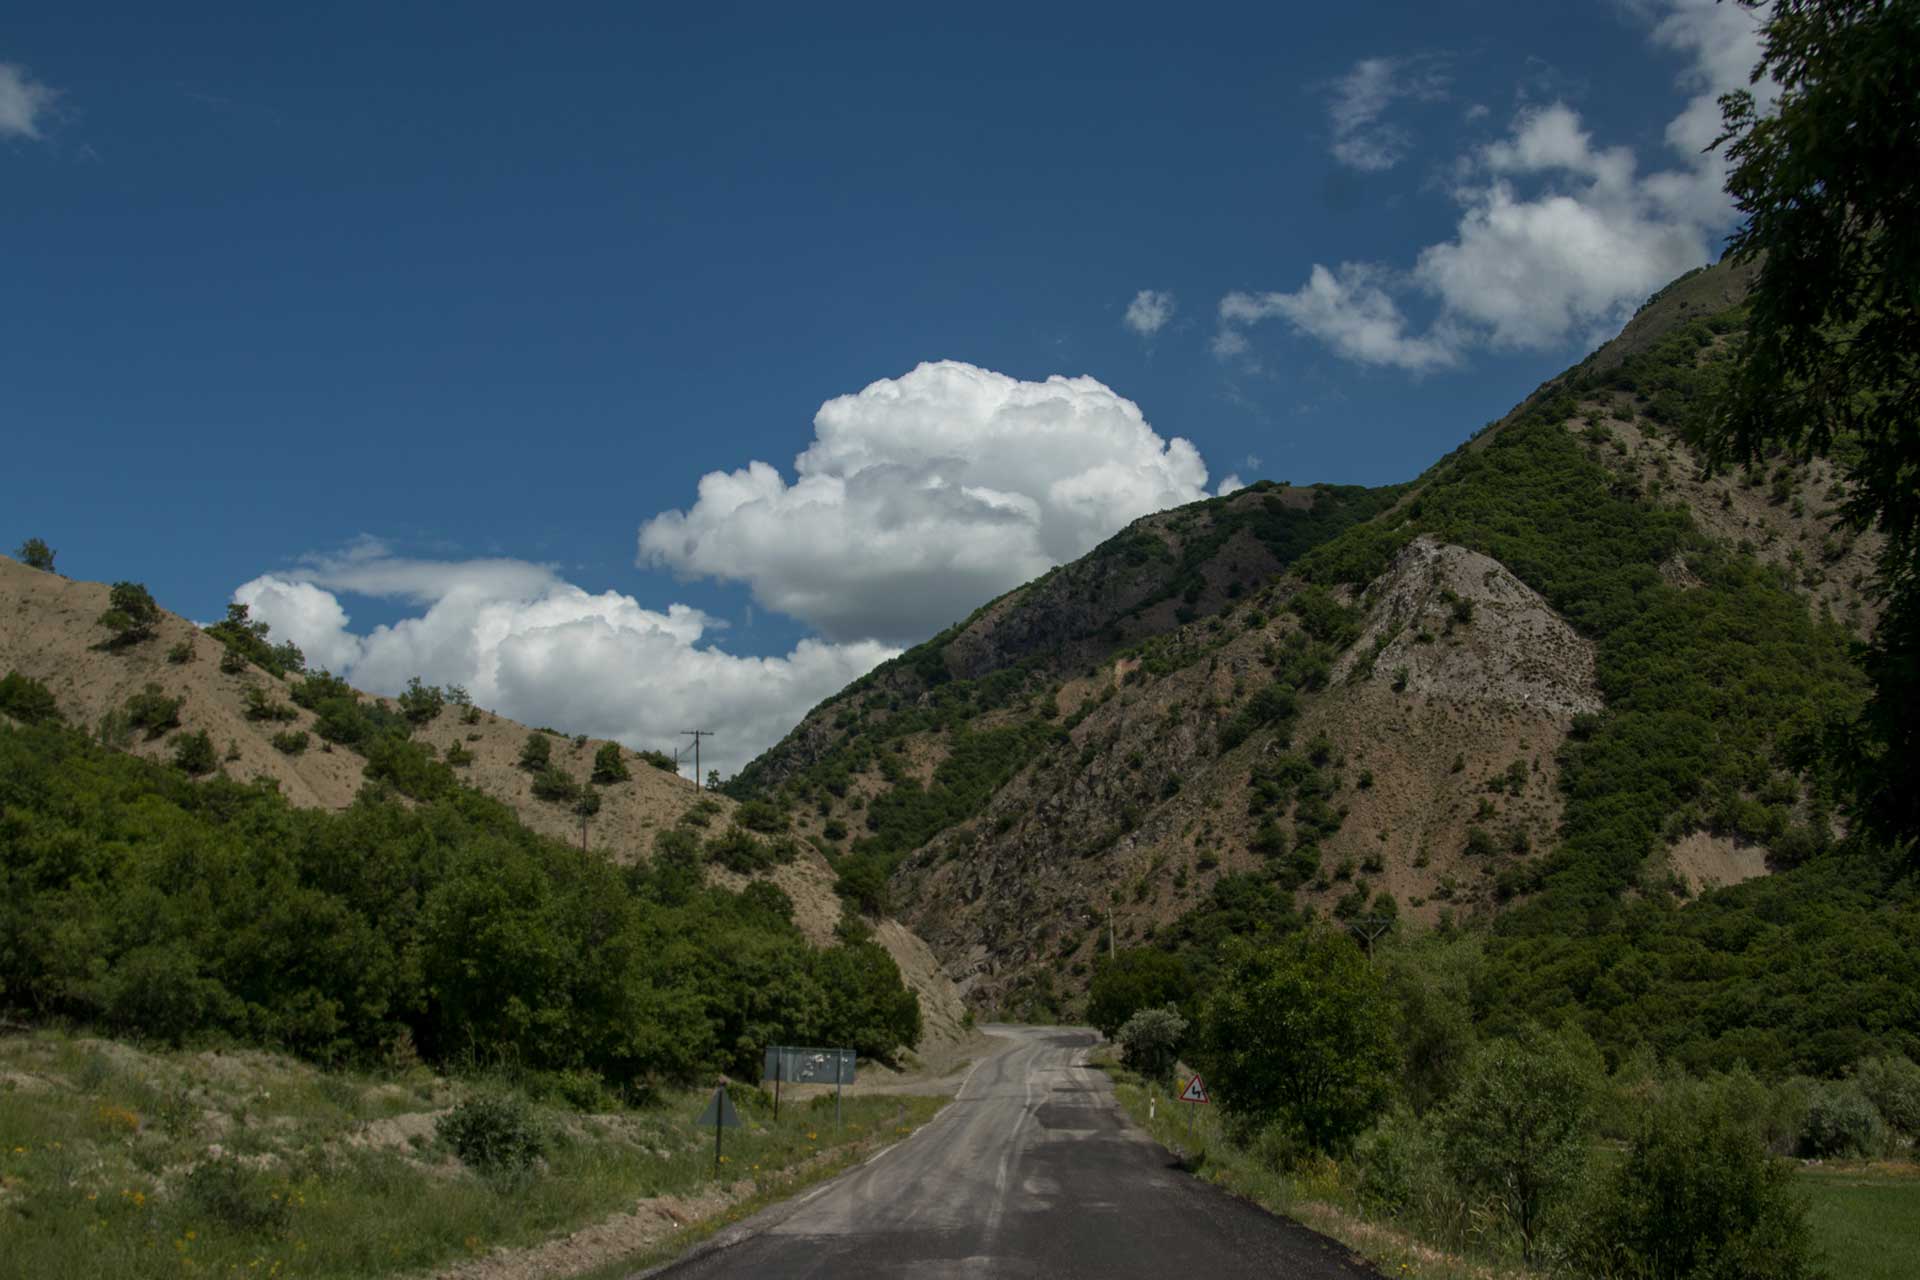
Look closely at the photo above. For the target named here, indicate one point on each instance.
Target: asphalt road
(1032, 1170)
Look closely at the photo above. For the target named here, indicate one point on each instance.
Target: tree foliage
(35, 554)
(1300, 1034)
(246, 641)
(1698, 1197)
(1830, 362)
(608, 765)
(1518, 1126)
(1132, 980)
(27, 700)
(131, 613)
(146, 903)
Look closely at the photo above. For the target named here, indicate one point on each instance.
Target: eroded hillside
(1557, 672)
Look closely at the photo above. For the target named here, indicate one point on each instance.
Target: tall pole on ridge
(696, 735)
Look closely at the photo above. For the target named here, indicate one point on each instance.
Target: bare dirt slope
(49, 630)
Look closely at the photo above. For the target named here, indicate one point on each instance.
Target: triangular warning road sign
(720, 1112)
(1196, 1091)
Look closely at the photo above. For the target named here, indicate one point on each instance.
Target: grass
(1315, 1197)
(1866, 1220)
(105, 1151)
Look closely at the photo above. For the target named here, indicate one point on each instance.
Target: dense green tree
(1150, 1041)
(27, 700)
(421, 703)
(536, 753)
(137, 899)
(1830, 361)
(131, 613)
(1299, 1034)
(1518, 1126)
(193, 753)
(1132, 980)
(246, 641)
(153, 711)
(608, 765)
(1697, 1197)
(35, 554)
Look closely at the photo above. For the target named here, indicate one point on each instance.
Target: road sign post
(720, 1113)
(1195, 1093)
(809, 1066)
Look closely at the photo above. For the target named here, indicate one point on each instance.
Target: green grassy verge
(1866, 1221)
(335, 1174)
(1315, 1197)
(782, 1185)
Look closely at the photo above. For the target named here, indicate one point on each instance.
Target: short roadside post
(720, 1113)
(1195, 1093)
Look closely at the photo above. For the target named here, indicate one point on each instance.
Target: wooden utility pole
(696, 735)
(1370, 928)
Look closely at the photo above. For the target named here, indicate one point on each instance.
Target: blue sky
(418, 326)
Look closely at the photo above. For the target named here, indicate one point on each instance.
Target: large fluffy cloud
(1558, 239)
(925, 495)
(536, 648)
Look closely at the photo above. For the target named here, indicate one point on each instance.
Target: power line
(696, 735)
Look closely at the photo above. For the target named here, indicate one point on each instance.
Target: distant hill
(49, 631)
(1550, 682)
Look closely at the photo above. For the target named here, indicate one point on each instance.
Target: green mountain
(1549, 692)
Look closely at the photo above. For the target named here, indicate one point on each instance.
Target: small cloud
(1230, 484)
(1253, 462)
(23, 102)
(1362, 138)
(1229, 343)
(1149, 312)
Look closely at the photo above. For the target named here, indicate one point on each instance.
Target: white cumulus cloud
(925, 495)
(1149, 312)
(535, 648)
(1558, 238)
(22, 102)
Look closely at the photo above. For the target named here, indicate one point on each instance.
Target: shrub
(1893, 1086)
(246, 642)
(35, 554)
(181, 653)
(555, 785)
(1300, 1034)
(420, 703)
(493, 1133)
(1697, 1197)
(237, 1196)
(758, 815)
(27, 700)
(290, 742)
(659, 760)
(536, 753)
(1517, 1128)
(1842, 1121)
(458, 755)
(193, 753)
(608, 766)
(409, 767)
(153, 711)
(1135, 979)
(1395, 1159)
(1150, 1041)
(131, 614)
(262, 706)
